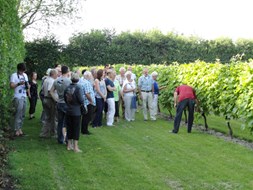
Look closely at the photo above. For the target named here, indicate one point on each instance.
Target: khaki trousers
(147, 99)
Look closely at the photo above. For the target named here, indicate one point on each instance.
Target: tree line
(98, 47)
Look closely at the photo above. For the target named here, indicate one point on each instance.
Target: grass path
(136, 155)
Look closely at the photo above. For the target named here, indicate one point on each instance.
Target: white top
(129, 86)
(47, 85)
(120, 79)
(20, 90)
(133, 76)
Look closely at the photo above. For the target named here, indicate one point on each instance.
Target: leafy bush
(223, 89)
(11, 52)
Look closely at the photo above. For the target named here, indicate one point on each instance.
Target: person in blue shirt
(89, 101)
(110, 98)
(146, 92)
(156, 92)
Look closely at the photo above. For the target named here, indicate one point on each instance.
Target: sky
(208, 19)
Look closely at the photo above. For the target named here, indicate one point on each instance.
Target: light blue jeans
(19, 115)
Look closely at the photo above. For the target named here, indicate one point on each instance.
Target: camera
(26, 85)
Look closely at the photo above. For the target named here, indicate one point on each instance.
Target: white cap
(48, 71)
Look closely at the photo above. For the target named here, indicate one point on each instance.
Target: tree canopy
(47, 11)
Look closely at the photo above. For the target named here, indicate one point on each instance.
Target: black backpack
(69, 94)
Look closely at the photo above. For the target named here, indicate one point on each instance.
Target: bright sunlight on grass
(137, 155)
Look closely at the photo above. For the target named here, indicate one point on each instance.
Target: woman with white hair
(129, 89)
(156, 92)
(121, 78)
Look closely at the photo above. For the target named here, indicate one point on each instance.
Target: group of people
(72, 101)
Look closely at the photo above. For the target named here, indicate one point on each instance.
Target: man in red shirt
(184, 96)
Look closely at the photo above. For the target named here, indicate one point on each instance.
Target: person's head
(110, 73)
(130, 68)
(100, 74)
(83, 71)
(106, 67)
(94, 72)
(128, 75)
(34, 76)
(74, 77)
(53, 73)
(64, 70)
(78, 72)
(114, 75)
(154, 75)
(122, 71)
(145, 71)
(21, 67)
(57, 65)
(58, 68)
(87, 75)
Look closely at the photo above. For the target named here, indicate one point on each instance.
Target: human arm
(97, 88)
(162, 87)
(139, 88)
(14, 85)
(110, 88)
(196, 99)
(125, 89)
(88, 96)
(15, 82)
(52, 93)
(175, 98)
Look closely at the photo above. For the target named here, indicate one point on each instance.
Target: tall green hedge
(98, 47)
(11, 53)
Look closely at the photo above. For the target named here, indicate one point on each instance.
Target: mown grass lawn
(137, 155)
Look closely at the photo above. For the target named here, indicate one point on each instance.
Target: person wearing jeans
(184, 96)
(100, 95)
(19, 82)
(110, 98)
(57, 93)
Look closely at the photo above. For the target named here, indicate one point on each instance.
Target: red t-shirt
(185, 92)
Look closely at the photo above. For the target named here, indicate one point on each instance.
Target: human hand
(21, 83)
(175, 105)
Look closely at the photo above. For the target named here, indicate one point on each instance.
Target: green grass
(138, 155)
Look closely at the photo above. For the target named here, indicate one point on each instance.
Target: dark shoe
(88, 133)
(173, 132)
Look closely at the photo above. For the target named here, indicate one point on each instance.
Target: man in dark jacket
(184, 96)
